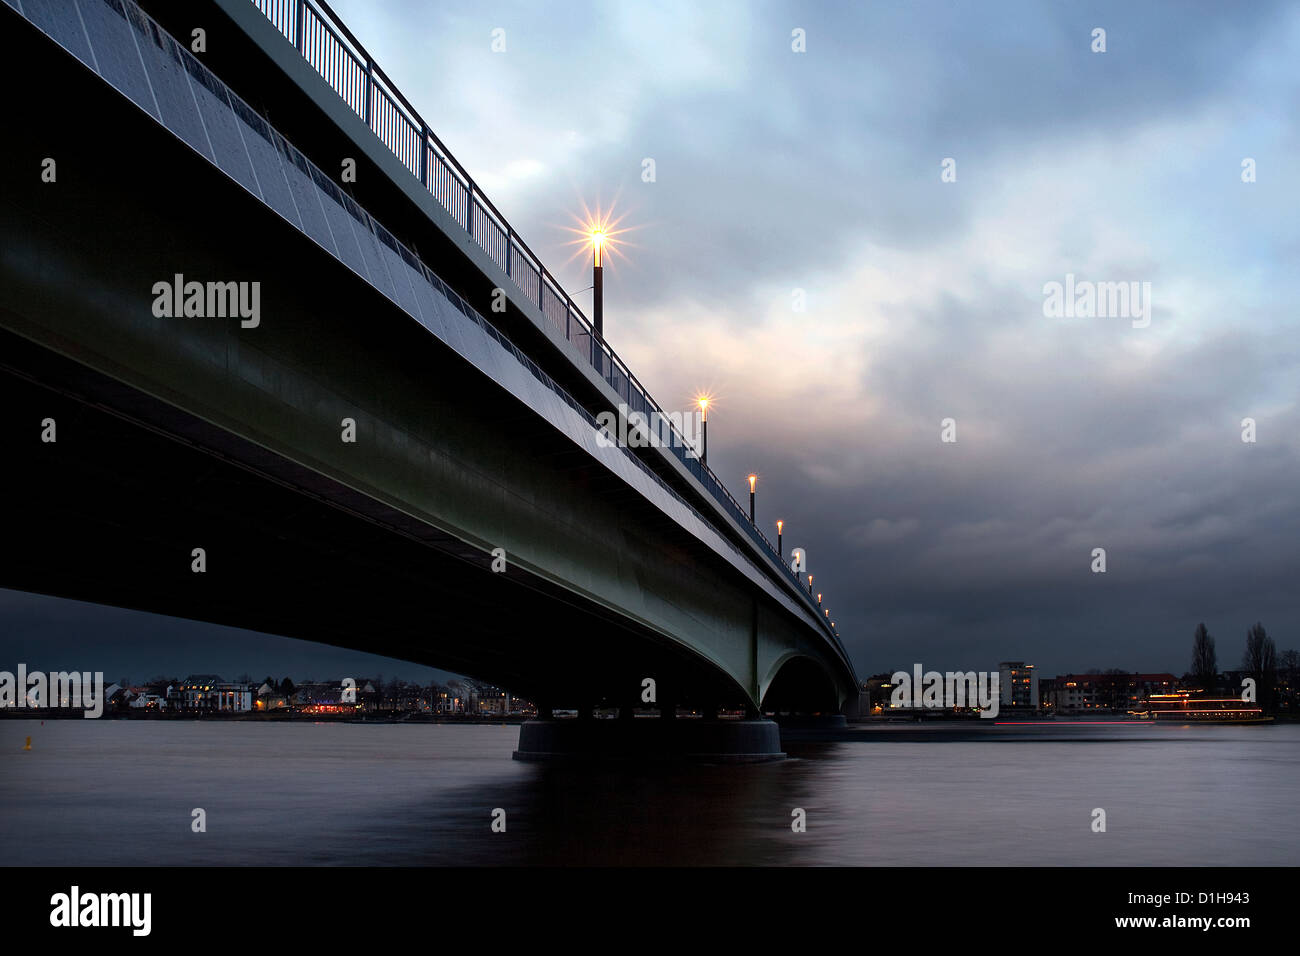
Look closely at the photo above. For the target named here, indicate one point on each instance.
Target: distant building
(318, 694)
(877, 691)
(367, 694)
(208, 693)
(402, 696)
(1105, 693)
(494, 700)
(148, 696)
(461, 697)
(270, 698)
(334, 696)
(1016, 685)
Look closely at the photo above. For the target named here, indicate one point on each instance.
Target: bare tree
(1205, 663)
(1260, 661)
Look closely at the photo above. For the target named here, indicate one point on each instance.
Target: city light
(598, 230)
(703, 400)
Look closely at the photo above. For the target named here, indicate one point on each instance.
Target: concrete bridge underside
(183, 433)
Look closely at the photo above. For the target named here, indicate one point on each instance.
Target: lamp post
(819, 598)
(703, 402)
(753, 480)
(810, 590)
(779, 549)
(598, 283)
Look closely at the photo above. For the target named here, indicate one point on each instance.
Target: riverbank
(275, 716)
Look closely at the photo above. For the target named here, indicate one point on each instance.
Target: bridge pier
(812, 728)
(650, 739)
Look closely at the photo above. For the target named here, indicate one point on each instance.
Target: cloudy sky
(817, 175)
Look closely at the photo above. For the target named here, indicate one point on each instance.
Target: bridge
(242, 388)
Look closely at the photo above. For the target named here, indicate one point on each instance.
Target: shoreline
(855, 729)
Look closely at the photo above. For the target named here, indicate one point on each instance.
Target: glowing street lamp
(753, 480)
(810, 591)
(779, 549)
(819, 598)
(703, 402)
(601, 231)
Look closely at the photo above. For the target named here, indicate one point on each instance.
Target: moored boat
(1184, 708)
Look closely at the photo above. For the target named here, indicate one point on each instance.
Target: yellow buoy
(28, 745)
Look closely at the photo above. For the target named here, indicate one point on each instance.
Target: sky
(849, 244)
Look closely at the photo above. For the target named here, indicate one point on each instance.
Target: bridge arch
(799, 684)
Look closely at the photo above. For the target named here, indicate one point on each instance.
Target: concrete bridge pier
(812, 728)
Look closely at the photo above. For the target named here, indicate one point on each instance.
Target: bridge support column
(813, 728)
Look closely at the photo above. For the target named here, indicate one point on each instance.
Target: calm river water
(113, 792)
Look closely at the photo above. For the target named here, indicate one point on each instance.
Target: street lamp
(810, 584)
(819, 598)
(753, 480)
(703, 402)
(779, 549)
(598, 281)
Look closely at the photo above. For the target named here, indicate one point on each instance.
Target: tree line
(1260, 661)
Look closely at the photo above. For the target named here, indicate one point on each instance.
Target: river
(119, 792)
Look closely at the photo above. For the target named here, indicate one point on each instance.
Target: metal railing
(340, 59)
